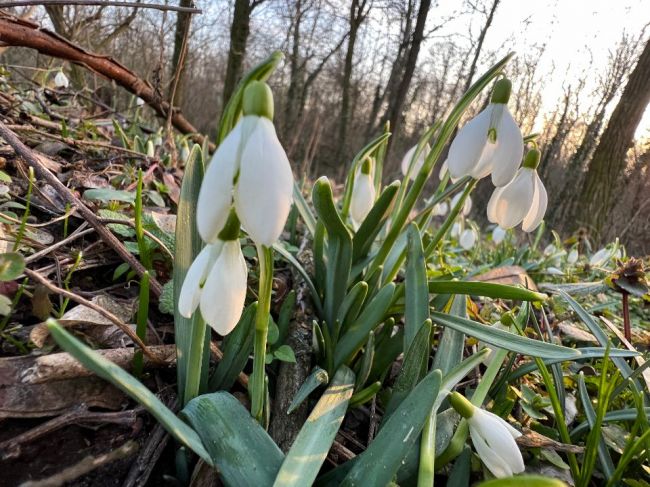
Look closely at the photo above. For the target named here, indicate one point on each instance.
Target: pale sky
(575, 32)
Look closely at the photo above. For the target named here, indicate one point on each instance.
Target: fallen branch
(106, 235)
(106, 314)
(101, 3)
(18, 32)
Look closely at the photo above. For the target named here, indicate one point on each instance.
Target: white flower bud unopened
(468, 238)
(418, 163)
(61, 80)
(363, 197)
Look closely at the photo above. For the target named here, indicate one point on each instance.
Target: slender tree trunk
(394, 114)
(357, 15)
(296, 76)
(239, 32)
(479, 45)
(183, 23)
(597, 196)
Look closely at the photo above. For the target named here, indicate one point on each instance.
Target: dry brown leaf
(575, 333)
(510, 274)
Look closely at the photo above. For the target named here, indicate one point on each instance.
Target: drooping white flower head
(493, 438)
(467, 206)
(444, 169)
(490, 143)
(363, 193)
(498, 234)
(604, 255)
(468, 238)
(139, 102)
(524, 199)
(456, 228)
(251, 169)
(417, 164)
(440, 209)
(61, 80)
(572, 258)
(216, 282)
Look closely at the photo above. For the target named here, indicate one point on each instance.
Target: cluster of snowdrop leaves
(380, 288)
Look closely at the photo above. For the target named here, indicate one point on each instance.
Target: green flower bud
(461, 405)
(258, 100)
(502, 90)
(531, 159)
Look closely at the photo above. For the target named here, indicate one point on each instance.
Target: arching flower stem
(257, 388)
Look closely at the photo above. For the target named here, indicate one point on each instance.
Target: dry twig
(101, 3)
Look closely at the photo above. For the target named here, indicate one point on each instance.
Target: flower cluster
(249, 180)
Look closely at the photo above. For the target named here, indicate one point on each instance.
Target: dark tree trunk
(239, 32)
(357, 16)
(597, 196)
(183, 23)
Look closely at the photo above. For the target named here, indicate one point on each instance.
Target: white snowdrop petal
(467, 205)
(265, 187)
(509, 150)
(190, 294)
(467, 147)
(455, 230)
(538, 208)
(492, 205)
(418, 163)
(573, 256)
(498, 234)
(489, 457)
(215, 196)
(515, 199)
(363, 197)
(61, 80)
(467, 239)
(500, 436)
(224, 293)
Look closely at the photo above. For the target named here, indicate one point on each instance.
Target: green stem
(141, 325)
(139, 228)
(265, 255)
(193, 371)
(23, 222)
(426, 470)
(444, 228)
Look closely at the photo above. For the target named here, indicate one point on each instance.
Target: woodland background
(350, 67)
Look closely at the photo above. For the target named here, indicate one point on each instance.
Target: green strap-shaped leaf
(370, 318)
(450, 348)
(416, 310)
(488, 289)
(317, 378)
(351, 305)
(379, 463)
(374, 221)
(232, 111)
(612, 416)
(524, 481)
(415, 361)
(339, 248)
(121, 379)
(310, 448)
(280, 249)
(236, 347)
(505, 339)
(242, 451)
(386, 351)
(303, 208)
(189, 333)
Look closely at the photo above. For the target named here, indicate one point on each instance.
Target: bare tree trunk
(357, 16)
(183, 23)
(610, 156)
(239, 32)
(394, 113)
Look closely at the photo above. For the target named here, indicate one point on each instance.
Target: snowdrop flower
(151, 150)
(554, 271)
(363, 193)
(455, 230)
(468, 238)
(444, 169)
(61, 80)
(523, 199)
(572, 258)
(216, 282)
(185, 151)
(251, 169)
(441, 209)
(467, 206)
(493, 438)
(139, 102)
(418, 163)
(498, 234)
(604, 255)
(490, 143)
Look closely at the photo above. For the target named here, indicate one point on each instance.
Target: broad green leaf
(374, 221)
(109, 194)
(524, 481)
(504, 339)
(379, 463)
(311, 446)
(12, 265)
(416, 310)
(190, 334)
(285, 354)
(317, 378)
(339, 248)
(241, 450)
(415, 361)
(121, 379)
(487, 289)
(370, 318)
